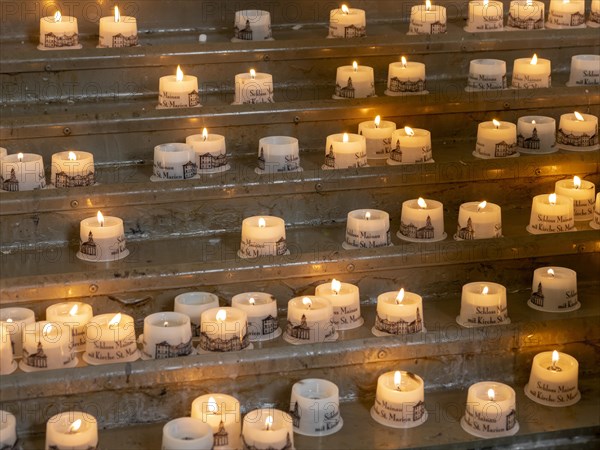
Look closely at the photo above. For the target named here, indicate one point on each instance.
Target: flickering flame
(72, 156)
(566, 1)
(485, 290)
(368, 215)
(114, 321)
(552, 199)
(20, 157)
(75, 426)
(491, 395)
(485, 2)
(427, 5)
(9, 320)
(165, 323)
(554, 357)
(252, 74)
(409, 131)
(74, 310)
(212, 406)
(481, 206)
(179, 75)
(551, 272)
(533, 122)
(534, 60)
(307, 302)
(336, 286)
(404, 62)
(221, 315)
(422, 203)
(47, 329)
(100, 218)
(355, 66)
(204, 134)
(269, 423)
(57, 16)
(117, 14)
(377, 121)
(262, 223)
(397, 379)
(345, 9)
(400, 296)
(529, 3)
(345, 137)
(496, 123)
(252, 301)
(576, 182)
(578, 116)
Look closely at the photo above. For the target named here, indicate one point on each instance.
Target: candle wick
(554, 367)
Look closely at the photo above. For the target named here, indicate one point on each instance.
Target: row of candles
(60, 32)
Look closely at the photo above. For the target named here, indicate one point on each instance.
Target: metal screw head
(537, 171)
(296, 119)
(506, 105)
(66, 131)
(93, 288)
(47, 67)
(350, 267)
(318, 187)
(266, 58)
(74, 203)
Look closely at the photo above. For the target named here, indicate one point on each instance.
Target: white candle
(118, 31)
(7, 364)
(483, 303)
(3, 152)
(102, 238)
(268, 429)
(410, 145)
(422, 220)
(399, 400)
(310, 319)
(347, 22)
(15, 319)
(406, 77)
(526, 15)
(72, 430)
(252, 25)
(315, 407)
(110, 338)
(496, 139)
(224, 330)
(485, 15)
(479, 220)
(278, 154)
(583, 194)
(367, 228)
(345, 151)
(536, 134)
(210, 151)
(263, 236)
(222, 413)
(531, 73)
(574, 131)
(594, 19)
(554, 289)
(345, 298)
(399, 313)
(58, 32)
(167, 335)
(566, 14)
(193, 304)
(8, 429)
(46, 345)
(378, 135)
(178, 91)
(490, 411)
(585, 69)
(187, 433)
(553, 379)
(174, 161)
(261, 309)
(354, 82)
(551, 214)
(253, 87)
(486, 74)
(75, 317)
(427, 19)
(22, 172)
(72, 169)
(595, 223)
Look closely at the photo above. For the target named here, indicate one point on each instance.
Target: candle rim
(565, 360)
(415, 382)
(63, 308)
(431, 204)
(325, 389)
(265, 298)
(410, 298)
(196, 298)
(318, 302)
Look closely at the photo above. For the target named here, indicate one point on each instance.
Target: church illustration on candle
(221, 437)
(503, 149)
(208, 161)
(300, 331)
(295, 415)
(437, 28)
(583, 140)
(398, 85)
(287, 446)
(52, 40)
(347, 91)
(89, 247)
(525, 24)
(537, 298)
(332, 420)
(425, 232)
(233, 344)
(164, 349)
(251, 249)
(120, 40)
(467, 232)
(532, 143)
(39, 359)
(401, 326)
(64, 180)
(12, 184)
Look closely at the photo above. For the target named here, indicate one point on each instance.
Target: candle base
(13, 366)
(337, 97)
(322, 433)
(475, 30)
(347, 246)
(380, 333)
(480, 156)
(486, 435)
(412, 424)
(594, 225)
(534, 231)
(45, 49)
(540, 401)
(99, 362)
(176, 107)
(412, 33)
(89, 258)
(294, 341)
(266, 337)
(415, 240)
(456, 238)
(128, 46)
(509, 28)
(465, 324)
(260, 171)
(391, 162)
(574, 148)
(529, 151)
(472, 89)
(244, 256)
(145, 357)
(27, 368)
(249, 40)
(553, 26)
(591, 24)
(541, 308)
(351, 326)
(221, 169)
(402, 94)
(201, 351)
(326, 167)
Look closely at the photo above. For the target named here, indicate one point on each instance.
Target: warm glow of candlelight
(72, 156)
(307, 302)
(529, 3)
(422, 203)
(165, 323)
(252, 74)
(368, 215)
(212, 406)
(345, 9)
(20, 157)
(576, 182)
(481, 206)
(262, 223)
(221, 315)
(397, 379)
(57, 16)
(269, 423)
(252, 301)
(554, 357)
(496, 123)
(74, 310)
(485, 290)
(47, 329)
(550, 272)
(404, 62)
(578, 116)
(345, 137)
(491, 395)
(534, 60)
(355, 66)
(100, 218)
(204, 134)
(400, 296)
(336, 286)
(533, 122)
(566, 1)
(409, 131)
(9, 320)
(552, 199)
(486, 2)
(117, 14)
(427, 5)
(179, 75)
(377, 121)
(114, 322)
(75, 426)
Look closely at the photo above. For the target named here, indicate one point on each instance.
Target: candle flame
(212, 406)
(491, 395)
(117, 14)
(204, 134)
(377, 121)
(404, 62)
(336, 286)
(115, 320)
(481, 206)
(397, 379)
(262, 223)
(57, 16)
(422, 203)
(100, 218)
(252, 74)
(355, 66)
(345, 9)
(427, 5)
(529, 3)
(75, 426)
(533, 122)
(269, 423)
(485, 290)
(72, 156)
(20, 157)
(47, 329)
(578, 116)
(74, 310)
(576, 182)
(554, 357)
(496, 123)
(307, 302)
(345, 137)
(165, 323)
(9, 320)
(566, 1)
(179, 74)
(409, 131)
(221, 315)
(534, 60)
(368, 215)
(485, 2)
(551, 272)
(400, 296)
(552, 199)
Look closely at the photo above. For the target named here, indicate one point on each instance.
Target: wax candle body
(14, 320)
(278, 154)
(167, 335)
(422, 222)
(75, 317)
(102, 241)
(224, 334)
(279, 435)
(261, 312)
(595, 223)
(485, 417)
(312, 323)
(554, 289)
(345, 155)
(76, 172)
(483, 303)
(346, 304)
(174, 161)
(264, 240)
(3, 152)
(368, 228)
(571, 131)
(314, 406)
(22, 172)
(257, 89)
(110, 342)
(425, 20)
(118, 33)
(193, 304)
(547, 217)
(410, 148)
(530, 76)
(583, 197)
(526, 15)
(347, 25)
(46, 345)
(6, 352)
(566, 14)
(485, 16)
(378, 138)
(8, 429)
(400, 406)
(58, 34)
(403, 78)
(475, 222)
(174, 93)
(351, 82)
(187, 433)
(210, 152)
(585, 69)
(399, 317)
(487, 74)
(536, 134)
(553, 383)
(496, 141)
(223, 416)
(252, 25)
(60, 434)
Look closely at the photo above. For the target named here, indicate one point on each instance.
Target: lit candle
(347, 22)
(367, 228)
(310, 319)
(75, 317)
(490, 411)
(595, 223)
(118, 31)
(46, 345)
(354, 81)
(268, 429)
(399, 313)
(566, 14)
(166, 335)
(14, 320)
(23, 172)
(222, 413)
(74, 430)
(479, 220)
(406, 78)
(422, 220)
(553, 379)
(345, 298)
(485, 15)
(7, 363)
(551, 214)
(252, 25)
(102, 239)
(483, 303)
(178, 91)
(193, 304)
(427, 19)
(486, 74)
(345, 151)
(224, 330)
(525, 15)
(594, 18)
(110, 338)
(583, 194)
(496, 139)
(263, 236)
(174, 161)
(410, 146)
(8, 430)
(261, 309)
(253, 87)
(576, 131)
(278, 154)
(210, 151)
(536, 134)
(399, 400)
(378, 135)
(554, 289)
(187, 433)
(315, 407)
(531, 73)
(72, 169)
(58, 32)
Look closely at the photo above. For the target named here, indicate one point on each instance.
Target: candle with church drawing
(14, 320)
(75, 317)
(594, 18)
(345, 298)
(22, 172)
(554, 289)
(310, 319)
(47, 345)
(222, 413)
(72, 169)
(531, 73)
(483, 303)
(59, 32)
(422, 220)
(553, 380)
(405, 78)
(102, 239)
(566, 14)
(110, 338)
(399, 400)
(166, 335)
(525, 15)
(536, 134)
(399, 313)
(252, 25)
(73, 430)
(585, 69)
(551, 214)
(410, 146)
(577, 131)
(263, 236)
(345, 151)
(582, 192)
(210, 151)
(178, 91)
(496, 139)
(118, 31)
(354, 81)
(479, 220)
(187, 433)
(485, 15)
(261, 310)
(174, 161)
(224, 330)
(490, 411)
(278, 154)
(268, 428)
(347, 22)
(367, 228)
(427, 19)
(378, 135)
(253, 87)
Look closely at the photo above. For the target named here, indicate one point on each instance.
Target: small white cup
(315, 407)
